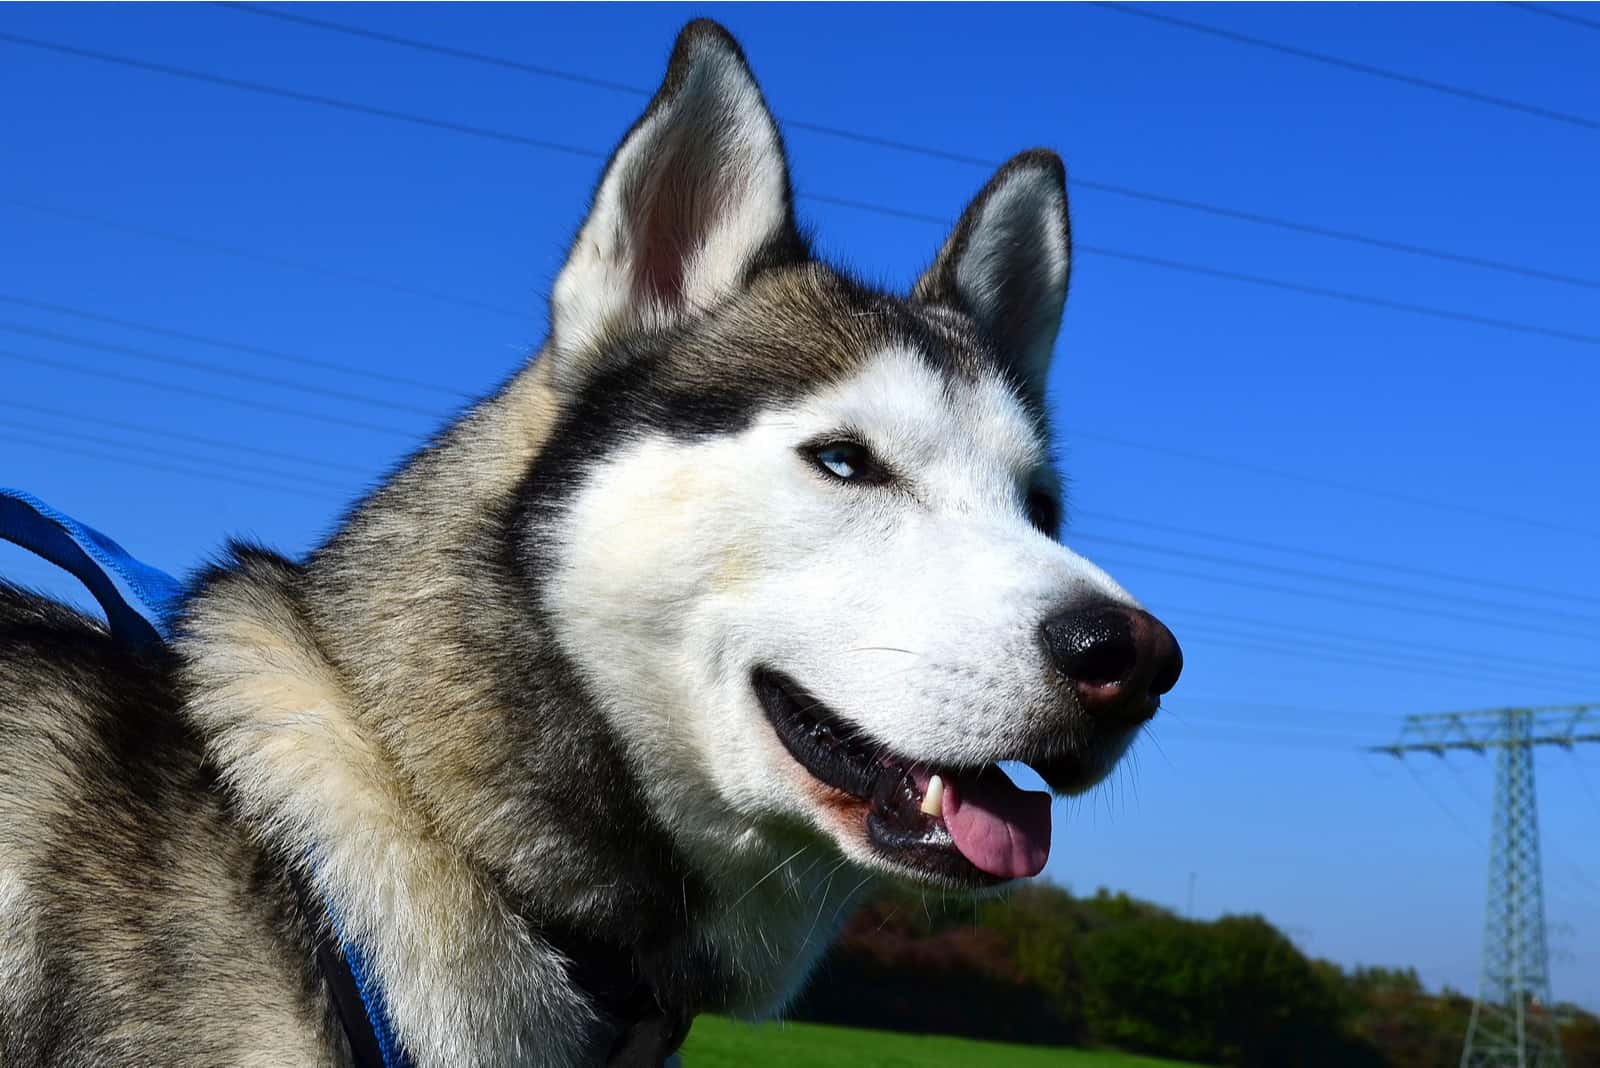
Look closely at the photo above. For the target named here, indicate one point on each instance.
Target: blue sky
(410, 266)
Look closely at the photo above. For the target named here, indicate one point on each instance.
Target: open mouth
(970, 826)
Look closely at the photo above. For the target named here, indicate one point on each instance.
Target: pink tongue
(999, 828)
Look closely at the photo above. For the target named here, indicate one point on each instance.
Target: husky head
(797, 536)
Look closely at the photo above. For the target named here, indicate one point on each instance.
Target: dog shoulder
(136, 920)
(67, 692)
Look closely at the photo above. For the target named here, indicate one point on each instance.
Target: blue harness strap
(97, 562)
(143, 616)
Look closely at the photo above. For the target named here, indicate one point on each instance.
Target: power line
(1449, 812)
(487, 133)
(1086, 435)
(441, 50)
(133, 461)
(1335, 598)
(145, 449)
(443, 390)
(1474, 656)
(1348, 297)
(933, 152)
(576, 78)
(1556, 13)
(1583, 780)
(1322, 576)
(1575, 876)
(204, 394)
(206, 367)
(263, 257)
(1586, 672)
(1246, 278)
(195, 337)
(1337, 558)
(1315, 711)
(1317, 651)
(1293, 635)
(196, 439)
(1300, 648)
(1320, 482)
(1398, 77)
(1118, 542)
(1410, 664)
(1254, 737)
(1331, 483)
(1176, 720)
(1165, 550)
(1258, 740)
(1180, 717)
(236, 346)
(1315, 576)
(1349, 236)
(1217, 461)
(1324, 653)
(336, 103)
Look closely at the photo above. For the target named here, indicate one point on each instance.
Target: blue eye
(847, 461)
(840, 460)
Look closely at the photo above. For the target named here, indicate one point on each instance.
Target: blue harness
(141, 605)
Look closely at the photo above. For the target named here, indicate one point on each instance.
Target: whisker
(847, 897)
(775, 869)
(822, 899)
(1150, 734)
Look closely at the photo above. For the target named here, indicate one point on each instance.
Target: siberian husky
(606, 707)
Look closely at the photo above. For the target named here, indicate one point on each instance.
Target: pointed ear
(1006, 264)
(695, 198)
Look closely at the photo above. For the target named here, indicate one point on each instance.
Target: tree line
(1044, 967)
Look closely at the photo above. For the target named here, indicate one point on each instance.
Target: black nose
(1119, 661)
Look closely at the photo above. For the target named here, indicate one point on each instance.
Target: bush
(1235, 991)
(1044, 967)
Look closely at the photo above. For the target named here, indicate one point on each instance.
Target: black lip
(833, 751)
(839, 755)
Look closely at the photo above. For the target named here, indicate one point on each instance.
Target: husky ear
(695, 197)
(1006, 263)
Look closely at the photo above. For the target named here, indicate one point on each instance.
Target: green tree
(1235, 991)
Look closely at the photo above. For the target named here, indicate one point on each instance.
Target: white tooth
(933, 800)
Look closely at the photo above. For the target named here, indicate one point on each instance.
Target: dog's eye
(1044, 513)
(848, 461)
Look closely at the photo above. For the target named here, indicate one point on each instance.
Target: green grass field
(719, 1043)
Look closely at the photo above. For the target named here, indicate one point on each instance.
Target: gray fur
(395, 716)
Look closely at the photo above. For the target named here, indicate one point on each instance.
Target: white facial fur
(912, 612)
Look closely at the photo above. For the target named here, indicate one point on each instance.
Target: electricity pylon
(1513, 1025)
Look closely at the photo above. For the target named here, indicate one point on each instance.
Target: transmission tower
(1513, 1023)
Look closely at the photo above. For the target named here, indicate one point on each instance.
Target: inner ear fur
(694, 199)
(1007, 262)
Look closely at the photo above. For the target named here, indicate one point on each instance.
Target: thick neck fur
(395, 704)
